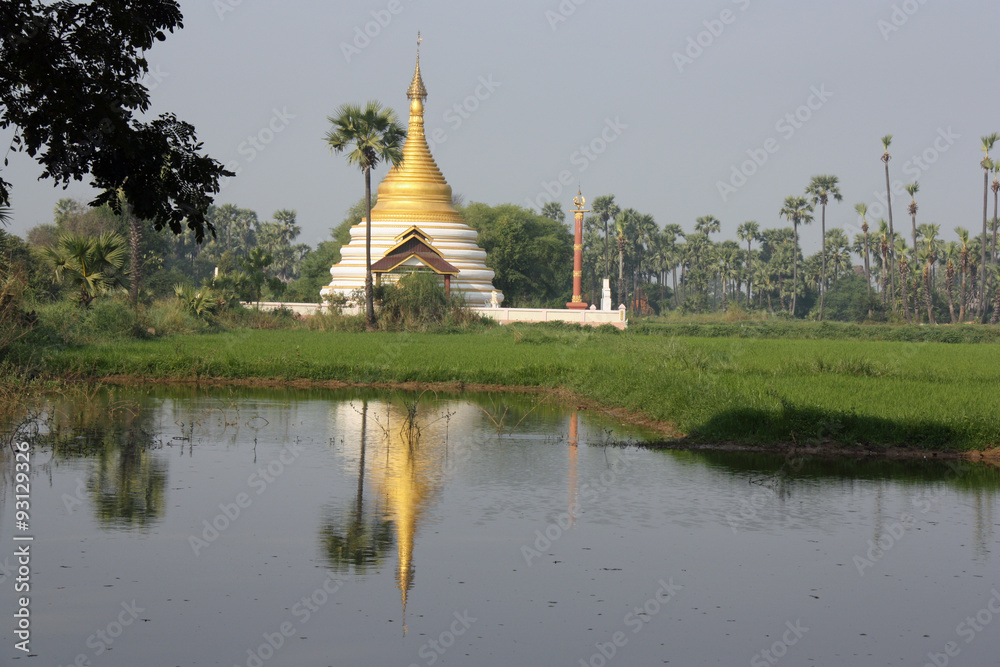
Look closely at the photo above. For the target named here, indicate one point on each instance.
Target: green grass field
(753, 390)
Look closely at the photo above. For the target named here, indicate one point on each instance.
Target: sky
(679, 109)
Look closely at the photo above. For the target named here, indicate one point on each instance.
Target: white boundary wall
(501, 315)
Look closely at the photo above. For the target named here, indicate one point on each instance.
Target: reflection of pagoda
(404, 467)
(416, 195)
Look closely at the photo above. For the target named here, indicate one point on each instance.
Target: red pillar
(577, 303)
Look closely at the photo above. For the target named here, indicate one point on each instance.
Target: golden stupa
(415, 194)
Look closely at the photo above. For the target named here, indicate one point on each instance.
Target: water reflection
(385, 483)
(127, 476)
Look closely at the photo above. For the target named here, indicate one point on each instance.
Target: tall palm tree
(885, 253)
(624, 228)
(886, 141)
(950, 255)
(903, 266)
(995, 222)
(672, 232)
(820, 189)
(862, 210)
(912, 189)
(371, 135)
(749, 231)
(987, 165)
(964, 246)
(605, 209)
(929, 233)
(95, 265)
(5, 215)
(799, 211)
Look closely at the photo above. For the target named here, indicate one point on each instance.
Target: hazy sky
(655, 102)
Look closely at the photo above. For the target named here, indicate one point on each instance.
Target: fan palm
(749, 231)
(799, 211)
(950, 255)
(605, 209)
(987, 165)
(886, 141)
(964, 246)
(370, 136)
(94, 265)
(912, 189)
(820, 189)
(862, 210)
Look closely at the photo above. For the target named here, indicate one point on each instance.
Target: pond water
(283, 527)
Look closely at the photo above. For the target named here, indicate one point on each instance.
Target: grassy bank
(752, 390)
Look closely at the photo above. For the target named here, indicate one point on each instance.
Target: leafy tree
(71, 86)
(93, 265)
(820, 189)
(531, 255)
(371, 136)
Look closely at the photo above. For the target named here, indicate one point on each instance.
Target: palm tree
(964, 247)
(798, 210)
(96, 266)
(885, 254)
(862, 210)
(820, 189)
(553, 210)
(904, 275)
(912, 189)
(929, 233)
(624, 227)
(749, 231)
(605, 209)
(371, 135)
(707, 224)
(886, 141)
(5, 215)
(950, 253)
(987, 165)
(995, 222)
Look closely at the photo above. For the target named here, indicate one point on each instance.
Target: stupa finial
(417, 90)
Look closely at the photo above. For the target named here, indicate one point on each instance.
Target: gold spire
(416, 190)
(417, 89)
